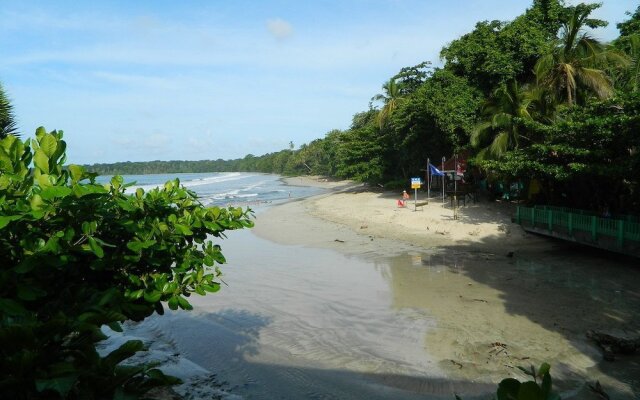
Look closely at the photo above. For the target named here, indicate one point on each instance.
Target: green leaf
(36, 202)
(184, 303)
(48, 145)
(121, 394)
(127, 350)
(76, 172)
(211, 288)
(29, 293)
(135, 294)
(53, 192)
(116, 181)
(40, 132)
(41, 161)
(12, 307)
(95, 247)
(546, 385)
(27, 265)
(115, 326)
(530, 391)
(508, 389)
(5, 220)
(153, 296)
(61, 385)
(544, 369)
(184, 229)
(126, 204)
(173, 303)
(137, 245)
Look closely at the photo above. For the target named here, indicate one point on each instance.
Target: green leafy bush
(76, 255)
(512, 389)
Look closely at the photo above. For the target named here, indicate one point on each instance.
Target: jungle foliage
(77, 256)
(536, 97)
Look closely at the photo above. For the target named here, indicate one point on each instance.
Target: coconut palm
(577, 60)
(630, 77)
(8, 124)
(391, 98)
(499, 131)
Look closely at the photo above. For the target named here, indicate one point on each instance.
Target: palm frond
(597, 81)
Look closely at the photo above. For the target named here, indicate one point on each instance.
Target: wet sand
(499, 297)
(360, 300)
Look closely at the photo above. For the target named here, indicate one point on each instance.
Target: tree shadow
(563, 289)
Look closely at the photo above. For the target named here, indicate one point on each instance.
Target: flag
(435, 171)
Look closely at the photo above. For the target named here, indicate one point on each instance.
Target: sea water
(226, 188)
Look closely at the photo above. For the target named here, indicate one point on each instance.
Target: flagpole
(428, 180)
(455, 173)
(455, 186)
(443, 175)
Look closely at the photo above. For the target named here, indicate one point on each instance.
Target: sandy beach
(500, 297)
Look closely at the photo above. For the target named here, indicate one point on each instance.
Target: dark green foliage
(630, 26)
(512, 389)
(453, 103)
(360, 155)
(76, 256)
(496, 52)
(411, 78)
(587, 159)
(540, 388)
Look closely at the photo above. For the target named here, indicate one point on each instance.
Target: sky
(193, 80)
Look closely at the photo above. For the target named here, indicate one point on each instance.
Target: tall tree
(632, 25)
(629, 43)
(496, 52)
(391, 98)
(575, 64)
(8, 124)
(499, 132)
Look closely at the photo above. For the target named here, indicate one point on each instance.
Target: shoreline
(369, 214)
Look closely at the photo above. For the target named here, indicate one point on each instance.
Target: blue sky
(191, 80)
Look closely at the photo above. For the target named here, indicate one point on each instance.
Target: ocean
(226, 188)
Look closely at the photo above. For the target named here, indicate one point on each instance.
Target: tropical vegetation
(536, 97)
(78, 256)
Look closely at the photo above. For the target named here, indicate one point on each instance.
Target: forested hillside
(537, 97)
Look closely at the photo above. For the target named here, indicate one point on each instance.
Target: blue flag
(435, 171)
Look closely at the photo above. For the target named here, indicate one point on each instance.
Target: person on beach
(405, 197)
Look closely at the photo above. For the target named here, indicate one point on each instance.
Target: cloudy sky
(191, 80)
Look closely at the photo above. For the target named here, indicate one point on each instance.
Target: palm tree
(576, 61)
(8, 124)
(391, 98)
(630, 77)
(499, 131)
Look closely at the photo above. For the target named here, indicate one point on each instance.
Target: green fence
(616, 233)
(627, 218)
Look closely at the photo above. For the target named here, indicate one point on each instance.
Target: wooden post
(594, 226)
(518, 220)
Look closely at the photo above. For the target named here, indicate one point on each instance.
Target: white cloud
(279, 28)
(137, 80)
